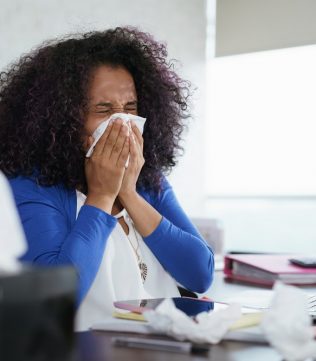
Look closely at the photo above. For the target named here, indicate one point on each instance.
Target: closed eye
(105, 111)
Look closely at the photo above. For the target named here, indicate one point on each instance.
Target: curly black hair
(43, 104)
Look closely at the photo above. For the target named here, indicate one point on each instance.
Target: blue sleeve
(54, 238)
(177, 244)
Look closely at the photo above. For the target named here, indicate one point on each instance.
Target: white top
(119, 276)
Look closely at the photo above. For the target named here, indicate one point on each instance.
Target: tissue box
(37, 307)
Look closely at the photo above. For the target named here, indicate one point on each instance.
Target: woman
(121, 228)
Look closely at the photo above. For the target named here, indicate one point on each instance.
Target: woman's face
(111, 90)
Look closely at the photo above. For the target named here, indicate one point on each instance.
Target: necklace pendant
(143, 270)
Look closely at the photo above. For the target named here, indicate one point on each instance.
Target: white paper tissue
(207, 327)
(12, 239)
(287, 324)
(139, 121)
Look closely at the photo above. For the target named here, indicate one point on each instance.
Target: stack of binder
(265, 269)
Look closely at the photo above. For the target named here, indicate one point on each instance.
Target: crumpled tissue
(206, 327)
(287, 324)
(12, 238)
(126, 117)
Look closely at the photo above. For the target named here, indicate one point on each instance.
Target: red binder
(265, 269)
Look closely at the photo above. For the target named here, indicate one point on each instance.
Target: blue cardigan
(56, 237)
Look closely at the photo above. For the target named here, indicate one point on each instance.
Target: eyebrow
(104, 104)
(109, 104)
(133, 102)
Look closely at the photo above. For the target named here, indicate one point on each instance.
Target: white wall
(253, 25)
(180, 23)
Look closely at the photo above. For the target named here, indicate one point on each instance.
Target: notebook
(265, 269)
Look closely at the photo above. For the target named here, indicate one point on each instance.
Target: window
(261, 149)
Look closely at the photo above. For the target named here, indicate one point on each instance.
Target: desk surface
(96, 346)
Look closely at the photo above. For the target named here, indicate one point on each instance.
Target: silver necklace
(141, 265)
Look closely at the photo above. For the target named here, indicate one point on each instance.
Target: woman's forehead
(110, 83)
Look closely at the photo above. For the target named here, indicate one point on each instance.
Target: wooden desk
(96, 346)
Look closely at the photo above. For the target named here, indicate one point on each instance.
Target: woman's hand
(144, 216)
(106, 167)
(136, 162)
